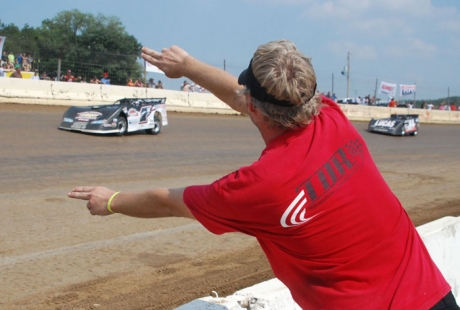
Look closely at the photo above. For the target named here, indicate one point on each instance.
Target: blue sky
(395, 41)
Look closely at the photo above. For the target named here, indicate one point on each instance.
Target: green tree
(88, 45)
(12, 33)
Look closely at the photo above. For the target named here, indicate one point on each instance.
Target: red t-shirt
(331, 228)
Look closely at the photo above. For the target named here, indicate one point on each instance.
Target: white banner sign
(387, 88)
(407, 89)
(151, 68)
(2, 41)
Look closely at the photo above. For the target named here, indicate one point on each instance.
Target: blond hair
(287, 75)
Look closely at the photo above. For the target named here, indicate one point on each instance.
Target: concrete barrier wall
(63, 93)
(441, 237)
(27, 91)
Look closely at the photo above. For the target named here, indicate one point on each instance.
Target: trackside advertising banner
(387, 88)
(407, 89)
(151, 68)
(2, 41)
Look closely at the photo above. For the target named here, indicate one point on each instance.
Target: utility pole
(224, 65)
(348, 75)
(375, 90)
(332, 83)
(346, 71)
(59, 70)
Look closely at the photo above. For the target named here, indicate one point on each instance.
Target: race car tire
(157, 128)
(122, 126)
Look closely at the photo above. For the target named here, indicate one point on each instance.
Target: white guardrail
(28, 91)
(442, 237)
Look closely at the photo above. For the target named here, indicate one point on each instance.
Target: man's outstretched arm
(176, 63)
(153, 203)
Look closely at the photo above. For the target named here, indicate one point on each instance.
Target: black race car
(125, 115)
(396, 125)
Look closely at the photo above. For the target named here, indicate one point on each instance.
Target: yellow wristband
(110, 201)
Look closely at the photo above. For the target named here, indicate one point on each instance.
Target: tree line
(87, 44)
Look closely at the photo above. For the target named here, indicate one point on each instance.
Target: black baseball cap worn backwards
(259, 92)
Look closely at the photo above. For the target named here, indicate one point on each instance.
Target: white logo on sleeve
(295, 213)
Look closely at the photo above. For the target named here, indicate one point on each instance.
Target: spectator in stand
(35, 76)
(334, 97)
(4, 57)
(11, 59)
(151, 83)
(185, 86)
(17, 72)
(30, 60)
(95, 80)
(373, 100)
(130, 82)
(3, 70)
(393, 103)
(194, 88)
(19, 59)
(68, 77)
(44, 76)
(139, 83)
(105, 80)
(453, 107)
(25, 63)
(429, 106)
(159, 85)
(367, 99)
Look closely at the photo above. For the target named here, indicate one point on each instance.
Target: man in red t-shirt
(331, 228)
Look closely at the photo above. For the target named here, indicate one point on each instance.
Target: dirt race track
(55, 255)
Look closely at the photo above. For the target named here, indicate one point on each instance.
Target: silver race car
(125, 115)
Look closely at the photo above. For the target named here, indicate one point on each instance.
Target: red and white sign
(387, 88)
